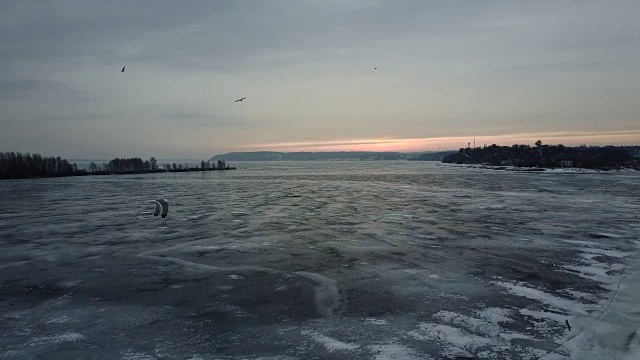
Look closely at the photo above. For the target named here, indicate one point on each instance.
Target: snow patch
(457, 342)
(60, 320)
(130, 355)
(568, 306)
(330, 344)
(374, 321)
(54, 339)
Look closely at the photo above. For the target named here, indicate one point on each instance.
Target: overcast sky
(447, 71)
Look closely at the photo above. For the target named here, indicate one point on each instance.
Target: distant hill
(431, 156)
(309, 156)
(329, 156)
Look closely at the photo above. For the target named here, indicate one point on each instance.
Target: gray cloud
(209, 34)
(34, 89)
(445, 67)
(205, 119)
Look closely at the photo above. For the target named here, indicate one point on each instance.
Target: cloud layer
(445, 69)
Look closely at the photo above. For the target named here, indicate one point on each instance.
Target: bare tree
(154, 163)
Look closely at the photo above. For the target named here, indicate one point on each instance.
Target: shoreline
(103, 173)
(573, 170)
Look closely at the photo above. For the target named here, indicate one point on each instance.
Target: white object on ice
(162, 208)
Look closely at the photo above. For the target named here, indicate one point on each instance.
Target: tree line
(19, 166)
(138, 166)
(133, 165)
(548, 156)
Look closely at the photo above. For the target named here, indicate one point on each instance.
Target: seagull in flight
(123, 70)
(162, 208)
(240, 100)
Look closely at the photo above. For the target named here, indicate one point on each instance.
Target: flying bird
(240, 99)
(162, 208)
(123, 70)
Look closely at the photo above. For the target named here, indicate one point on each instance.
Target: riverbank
(32, 166)
(539, 169)
(549, 157)
(102, 172)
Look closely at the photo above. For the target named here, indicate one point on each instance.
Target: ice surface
(396, 352)
(349, 260)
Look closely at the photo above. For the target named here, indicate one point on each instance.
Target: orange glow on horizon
(629, 137)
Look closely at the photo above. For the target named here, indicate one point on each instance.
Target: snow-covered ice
(341, 260)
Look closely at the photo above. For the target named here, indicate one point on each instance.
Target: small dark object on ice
(568, 326)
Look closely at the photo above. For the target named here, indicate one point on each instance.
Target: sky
(447, 72)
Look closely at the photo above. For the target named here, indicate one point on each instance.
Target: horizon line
(426, 144)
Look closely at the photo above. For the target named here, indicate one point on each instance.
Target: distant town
(20, 166)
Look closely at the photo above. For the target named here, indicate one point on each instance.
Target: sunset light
(454, 142)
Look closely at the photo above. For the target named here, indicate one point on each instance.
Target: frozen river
(335, 260)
